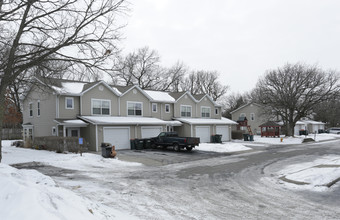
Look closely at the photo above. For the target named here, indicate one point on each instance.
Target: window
(54, 131)
(38, 108)
(252, 116)
(30, 109)
(185, 111)
(216, 111)
(69, 103)
(167, 108)
(135, 109)
(205, 112)
(154, 107)
(100, 107)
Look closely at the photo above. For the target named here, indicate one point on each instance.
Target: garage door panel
(151, 131)
(119, 137)
(224, 131)
(203, 133)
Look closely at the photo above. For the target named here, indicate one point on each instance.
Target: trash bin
(132, 144)
(218, 138)
(139, 144)
(147, 143)
(251, 137)
(246, 137)
(212, 139)
(106, 150)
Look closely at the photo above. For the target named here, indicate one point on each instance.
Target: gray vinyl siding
(43, 124)
(219, 115)
(69, 113)
(159, 112)
(95, 93)
(207, 103)
(185, 100)
(132, 97)
(184, 130)
(167, 116)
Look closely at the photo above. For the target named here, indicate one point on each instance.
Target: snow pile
(27, 194)
(224, 147)
(291, 140)
(316, 175)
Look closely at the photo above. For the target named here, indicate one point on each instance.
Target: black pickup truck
(165, 139)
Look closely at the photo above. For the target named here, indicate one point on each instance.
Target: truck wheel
(153, 146)
(176, 147)
(189, 148)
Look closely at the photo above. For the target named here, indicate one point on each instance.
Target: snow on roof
(160, 96)
(313, 122)
(222, 121)
(70, 87)
(128, 120)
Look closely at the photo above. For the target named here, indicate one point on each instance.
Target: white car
(334, 130)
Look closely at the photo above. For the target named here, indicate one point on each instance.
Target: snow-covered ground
(224, 147)
(28, 194)
(288, 140)
(316, 175)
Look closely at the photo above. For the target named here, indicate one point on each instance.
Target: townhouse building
(100, 112)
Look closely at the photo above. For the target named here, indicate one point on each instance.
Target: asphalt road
(206, 185)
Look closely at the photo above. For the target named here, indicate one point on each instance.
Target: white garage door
(224, 130)
(151, 131)
(203, 132)
(119, 137)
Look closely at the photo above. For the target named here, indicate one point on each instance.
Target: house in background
(255, 117)
(253, 113)
(100, 113)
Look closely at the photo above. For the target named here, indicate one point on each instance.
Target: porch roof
(207, 121)
(71, 122)
(111, 120)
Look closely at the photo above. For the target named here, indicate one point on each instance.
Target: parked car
(166, 139)
(334, 130)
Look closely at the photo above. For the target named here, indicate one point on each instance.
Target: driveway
(205, 185)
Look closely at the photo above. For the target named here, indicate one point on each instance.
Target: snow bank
(27, 194)
(314, 175)
(224, 147)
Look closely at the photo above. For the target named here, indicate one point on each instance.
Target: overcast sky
(241, 39)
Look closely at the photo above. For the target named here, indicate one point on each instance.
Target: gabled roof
(179, 95)
(134, 87)
(243, 106)
(90, 86)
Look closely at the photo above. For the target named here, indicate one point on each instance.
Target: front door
(73, 132)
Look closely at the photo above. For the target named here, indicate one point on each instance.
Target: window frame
(216, 111)
(152, 105)
(252, 118)
(54, 131)
(101, 106)
(30, 109)
(69, 98)
(165, 108)
(186, 106)
(38, 108)
(205, 107)
(134, 115)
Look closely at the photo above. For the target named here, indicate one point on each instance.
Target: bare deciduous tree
(77, 32)
(293, 91)
(205, 82)
(143, 68)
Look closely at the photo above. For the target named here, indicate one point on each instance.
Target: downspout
(57, 107)
(118, 106)
(81, 105)
(96, 138)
